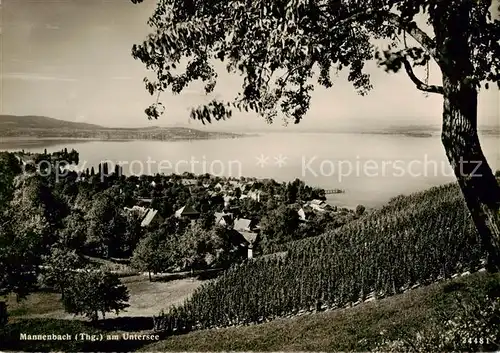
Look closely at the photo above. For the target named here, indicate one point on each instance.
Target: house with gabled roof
(223, 219)
(187, 212)
(318, 205)
(317, 202)
(236, 184)
(148, 216)
(246, 233)
(152, 218)
(245, 240)
(243, 224)
(302, 215)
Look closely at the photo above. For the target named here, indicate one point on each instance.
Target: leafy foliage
(280, 46)
(27, 231)
(36, 208)
(175, 246)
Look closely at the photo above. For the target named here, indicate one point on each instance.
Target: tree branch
(426, 42)
(419, 84)
(419, 35)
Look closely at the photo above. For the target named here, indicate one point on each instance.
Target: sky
(71, 60)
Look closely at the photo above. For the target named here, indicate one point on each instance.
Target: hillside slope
(362, 328)
(9, 122)
(414, 240)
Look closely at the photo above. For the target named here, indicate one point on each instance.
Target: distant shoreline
(44, 141)
(100, 139)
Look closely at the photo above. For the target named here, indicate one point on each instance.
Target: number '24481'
(471, 340)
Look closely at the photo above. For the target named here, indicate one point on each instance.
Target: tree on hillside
(207, 220)
(198, 247)
(251, 208)
(105, 223)
(58, 267)
(67, 189)
(93, 292)
(360, 210)
(36, 211)
(298, 40)
(279, 226)
(9, 168)
(74, 231)
(154, 254)
(133, 232)
(20, 256)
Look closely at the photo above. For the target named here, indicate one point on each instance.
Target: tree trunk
(453, 27)
(475, 177)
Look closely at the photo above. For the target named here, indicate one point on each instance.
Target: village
(244, 231)
(245, 209)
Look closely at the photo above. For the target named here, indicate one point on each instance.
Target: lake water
(371, 168)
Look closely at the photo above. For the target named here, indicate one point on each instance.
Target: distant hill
(41, 122)
(44, 127)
